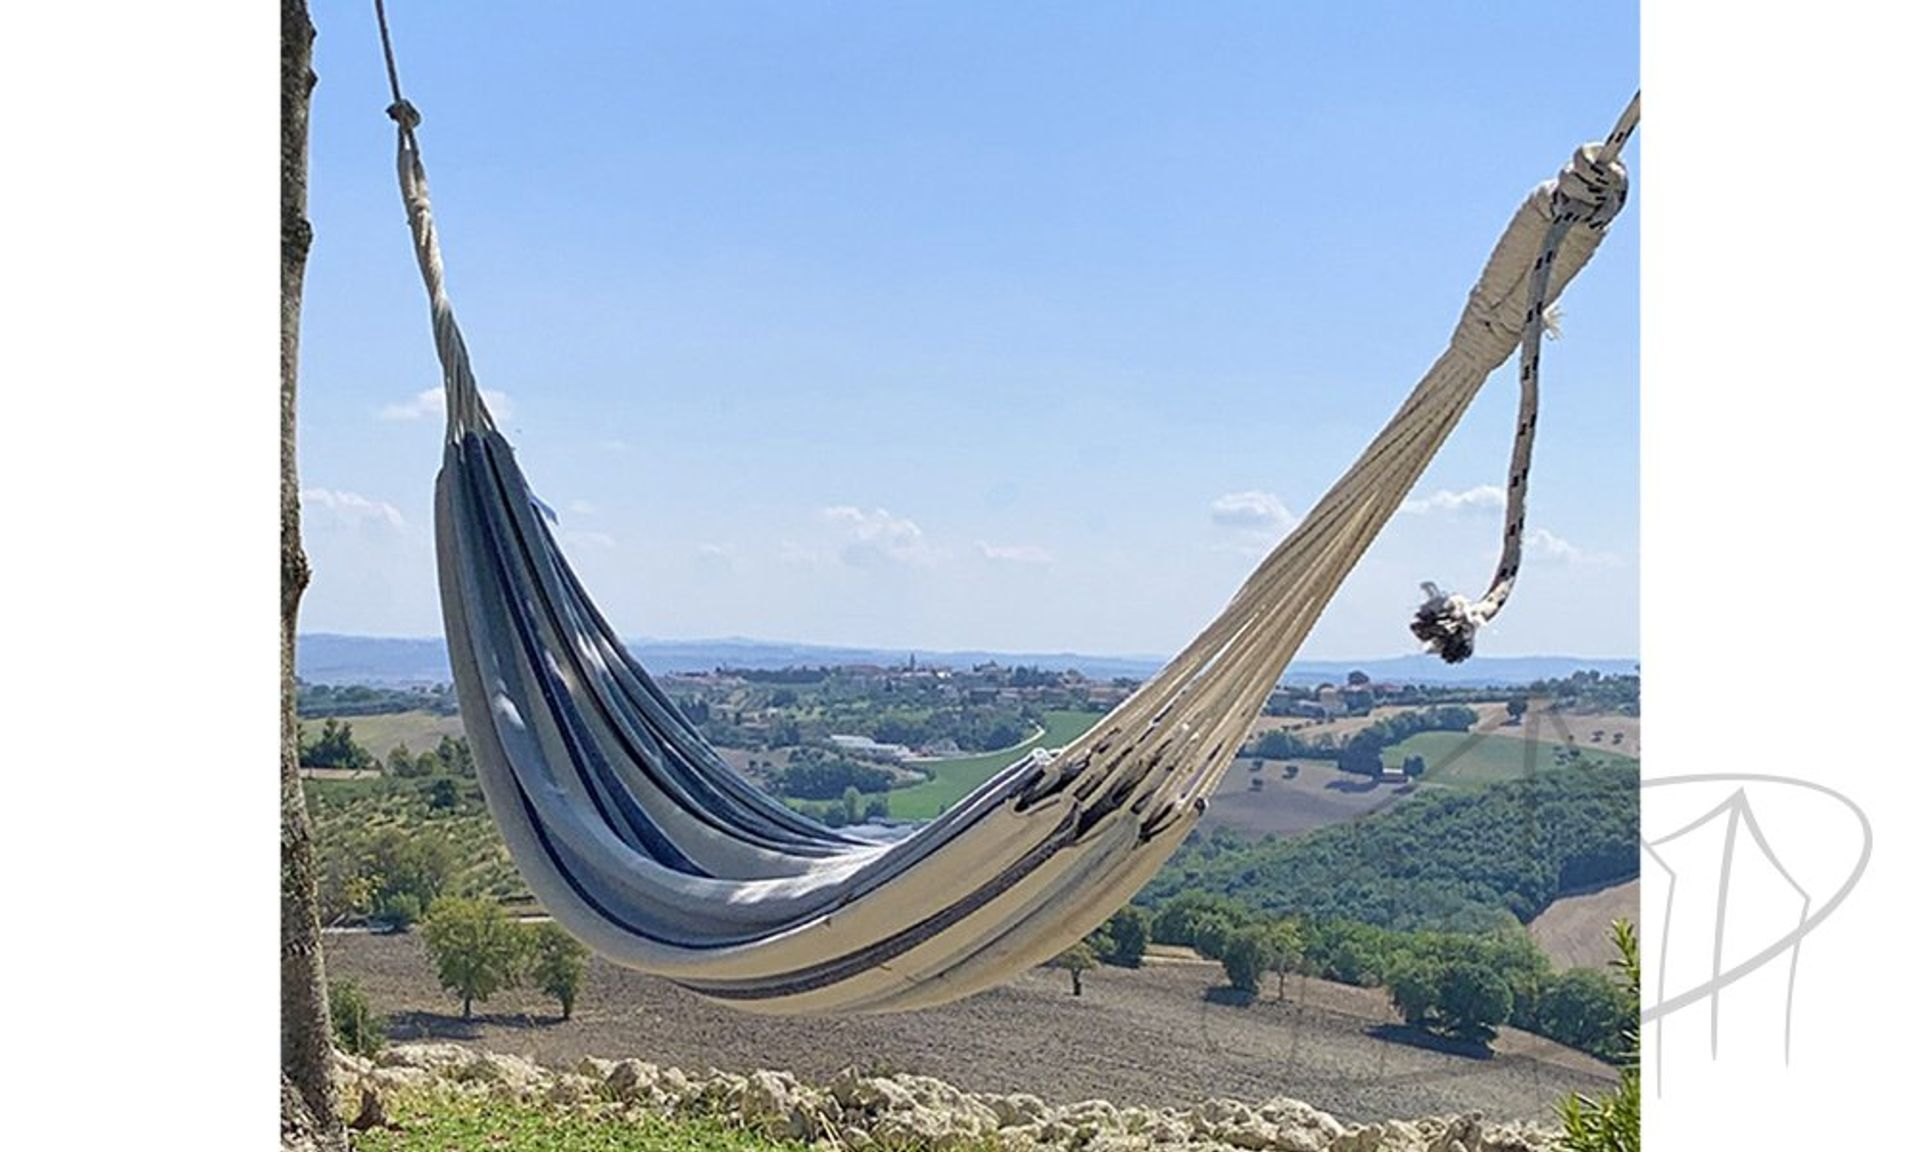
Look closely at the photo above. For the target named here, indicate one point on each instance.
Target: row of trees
(1361, 752)
(1591, 691)
(334, 747)
(478, 950)
(816, 774)
(973, 729)
(1457, 984)
(453, 756)
(850, 808)
(1122, 942)
(318, 700)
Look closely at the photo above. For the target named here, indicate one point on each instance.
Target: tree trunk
(466, 1008)
(306, 1033)
(1076, 981)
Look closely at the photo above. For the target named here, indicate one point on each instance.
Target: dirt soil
(1576, 930)
(1317, 794)
(1156, 1036)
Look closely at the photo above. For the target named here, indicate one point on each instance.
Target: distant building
(868, 746)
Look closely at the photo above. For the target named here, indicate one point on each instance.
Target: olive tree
(476, 948)
(557, 965)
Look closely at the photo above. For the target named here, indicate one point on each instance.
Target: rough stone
(859, 1112)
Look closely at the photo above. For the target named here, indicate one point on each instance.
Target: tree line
(322, 700)
(815, 774)
(1454, 984)
(1361, 752)
(334, 747)
(1466, 860)
(476, 950)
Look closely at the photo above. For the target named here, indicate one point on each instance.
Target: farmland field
(419, 731)
(1481, 758)
(1149, 1036)
(953, 779)
(1574, 929)
(1315, 794)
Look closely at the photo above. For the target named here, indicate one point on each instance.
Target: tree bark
(306, 1032)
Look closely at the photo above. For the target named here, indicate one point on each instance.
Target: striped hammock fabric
(639, 839)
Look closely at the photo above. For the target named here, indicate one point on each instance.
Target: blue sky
(1015, 326)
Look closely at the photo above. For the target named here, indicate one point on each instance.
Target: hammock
(645, 844)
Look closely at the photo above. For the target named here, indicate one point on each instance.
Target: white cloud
(1256, 521)
(1548, 548)
(1481, 498)
(879, 537)
(1016, 553)
(1252, 510)
(328, 507)
(432, 403)
(582, 508)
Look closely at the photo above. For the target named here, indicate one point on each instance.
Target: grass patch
(953, 779)
(419, 731)
(433, 1122)
(1473, 758)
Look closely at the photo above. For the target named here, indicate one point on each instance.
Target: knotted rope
(465, 409)
(1590, 192)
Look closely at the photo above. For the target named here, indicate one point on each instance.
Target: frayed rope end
(1446, 624)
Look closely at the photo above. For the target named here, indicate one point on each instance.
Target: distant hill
(1455, 859)
(331, 658)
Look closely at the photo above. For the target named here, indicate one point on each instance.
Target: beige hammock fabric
(641, 841)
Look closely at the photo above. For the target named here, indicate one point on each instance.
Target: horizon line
(909, 649)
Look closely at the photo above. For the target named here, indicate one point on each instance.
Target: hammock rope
(637, 836)
(1447, 623)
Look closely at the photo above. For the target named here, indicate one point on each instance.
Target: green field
(953, 779)
(1471, 758)
(419, 731)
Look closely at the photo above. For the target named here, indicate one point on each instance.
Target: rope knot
(1592, 187)
(1446, 623)
(404, 114)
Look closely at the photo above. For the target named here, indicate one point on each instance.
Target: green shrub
(1585, 1009)
(398, 910)
(1127, 934)
(1474, 1000)
(1246, 955)
(1611, 1123)
(1177, 920)
(559, 965)
(1414, 985)
(356, 1028)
